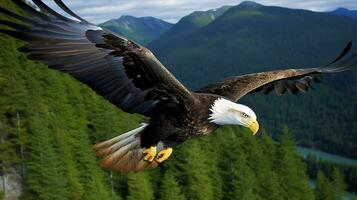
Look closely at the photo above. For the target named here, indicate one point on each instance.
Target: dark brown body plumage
(174, 126)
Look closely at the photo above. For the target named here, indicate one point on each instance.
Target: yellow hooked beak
(254, 127)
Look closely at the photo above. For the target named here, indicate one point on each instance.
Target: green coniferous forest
(48, 122)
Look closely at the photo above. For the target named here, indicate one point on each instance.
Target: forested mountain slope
(190, 23)
(142, 29)
(250, 38)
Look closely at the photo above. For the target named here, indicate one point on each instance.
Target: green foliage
(194, 164)
(139, 187)
(44, 178)
(323, 188)
(329, 188)
(238, 176)
(265, 160)
(349, 172)
(338, 182)
(292, 170)
(170, 189)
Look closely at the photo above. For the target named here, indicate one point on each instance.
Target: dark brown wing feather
(293, 80)
(125, 73)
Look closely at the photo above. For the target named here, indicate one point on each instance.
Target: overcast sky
(98, 11)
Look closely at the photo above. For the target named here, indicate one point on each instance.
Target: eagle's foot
(163, 154)
(149, 153)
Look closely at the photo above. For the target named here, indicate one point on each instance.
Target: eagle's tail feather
(124, 153)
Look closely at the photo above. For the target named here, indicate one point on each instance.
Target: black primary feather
(346, 50)
(13, 25)
(68, 11)
(16, 16)
(31, 11)
(47, 9)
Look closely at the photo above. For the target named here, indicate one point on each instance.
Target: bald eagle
(132, 78)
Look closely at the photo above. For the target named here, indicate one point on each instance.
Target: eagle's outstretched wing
(125, 73)
(293, 80)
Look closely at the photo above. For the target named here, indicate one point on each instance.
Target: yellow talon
(163, 155)
(149, 154)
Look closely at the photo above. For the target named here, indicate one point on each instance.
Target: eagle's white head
(225, 112)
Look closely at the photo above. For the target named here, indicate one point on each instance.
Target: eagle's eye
(244, 115)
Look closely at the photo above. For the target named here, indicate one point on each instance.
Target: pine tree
(170, 189)
(212, 146)
(139, 187)
(338, 184)
(238, 177)
(71, 172)
(262, 163)
(292, 173)
(324, 189)
(44, 179)
(195, 168)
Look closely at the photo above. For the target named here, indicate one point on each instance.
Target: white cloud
(99, 11)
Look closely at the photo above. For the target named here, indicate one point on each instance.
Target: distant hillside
(345, 12)
(142, 30)
(191, 23)
(250, 38)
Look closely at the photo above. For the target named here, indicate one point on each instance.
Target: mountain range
(193, 21)
(146, 29)
(345, 12)
(142, 30)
